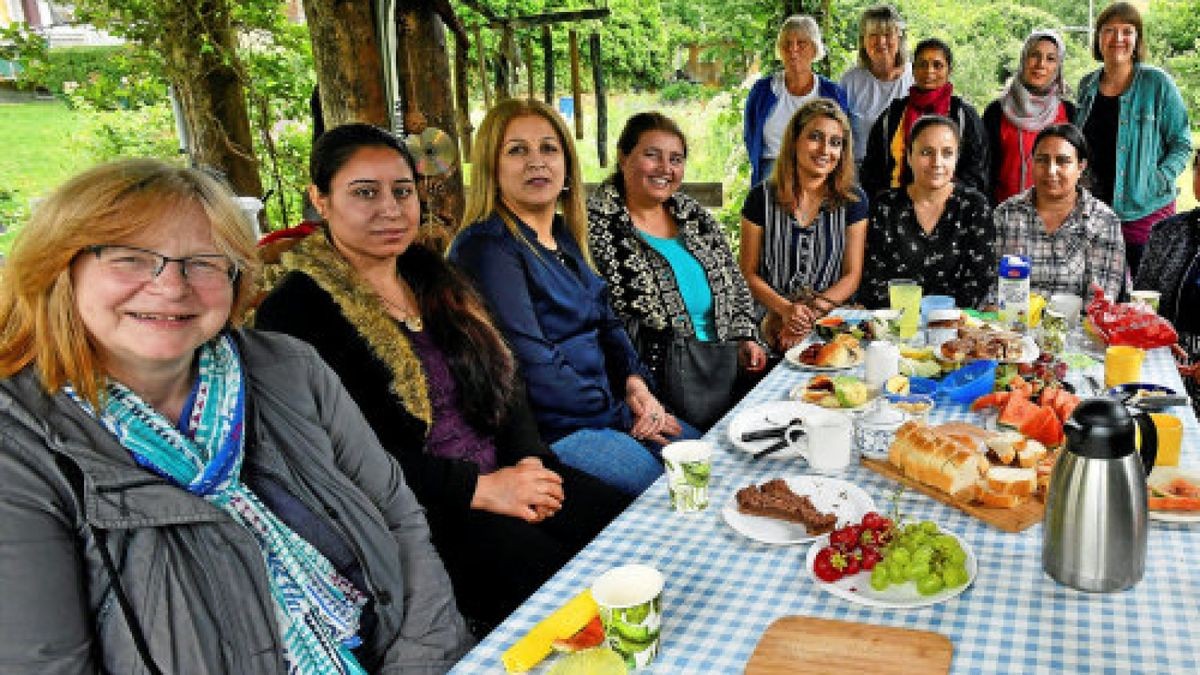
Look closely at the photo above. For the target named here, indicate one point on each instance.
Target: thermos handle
(1149, 435)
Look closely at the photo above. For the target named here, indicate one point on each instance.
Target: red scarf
(922, 102)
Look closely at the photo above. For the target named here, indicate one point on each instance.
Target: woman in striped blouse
(804, 229)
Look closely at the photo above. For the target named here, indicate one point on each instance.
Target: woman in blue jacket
(774, 98)
(589, 391)
(1136, 123)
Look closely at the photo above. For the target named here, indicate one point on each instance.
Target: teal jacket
(1153, 141)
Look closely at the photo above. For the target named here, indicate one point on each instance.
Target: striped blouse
(795, 257)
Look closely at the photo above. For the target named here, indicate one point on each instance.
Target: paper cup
(1070, 306)
(1122, 364)
(1148, 298)
(689, 471)
(1170, 438)
(630, 602)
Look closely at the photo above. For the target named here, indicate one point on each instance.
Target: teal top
(1153, 141)
(692, 282)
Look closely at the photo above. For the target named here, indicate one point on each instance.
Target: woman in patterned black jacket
(666, 259)
(935, 230)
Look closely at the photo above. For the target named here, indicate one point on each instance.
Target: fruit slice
(591, 635)
(603, 661)
(1017, 411)
(1043, 426)
(896, 384)
(996, 399)
(535, 646)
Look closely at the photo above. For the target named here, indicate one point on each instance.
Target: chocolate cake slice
(776, 500)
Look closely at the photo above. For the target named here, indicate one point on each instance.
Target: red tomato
(824, 566)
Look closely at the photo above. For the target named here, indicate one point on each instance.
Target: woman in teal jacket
(1135, 121)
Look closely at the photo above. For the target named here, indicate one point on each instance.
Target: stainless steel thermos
(1094, 533)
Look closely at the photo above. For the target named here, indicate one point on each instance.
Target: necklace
(411, 320)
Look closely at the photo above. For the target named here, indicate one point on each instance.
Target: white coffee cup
(1067, 304)
(828, 445)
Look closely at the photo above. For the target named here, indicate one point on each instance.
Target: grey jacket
(196, 579)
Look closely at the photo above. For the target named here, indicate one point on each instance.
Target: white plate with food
(840, 392)
(775, 415)
(1002, 346)
(841, 353)
(857, 587)
(1175, 492)
(833, 496)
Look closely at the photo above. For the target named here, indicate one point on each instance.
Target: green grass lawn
(38, 152)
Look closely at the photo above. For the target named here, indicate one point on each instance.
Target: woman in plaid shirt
(1073, 239)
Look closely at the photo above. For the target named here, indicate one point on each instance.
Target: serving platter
(830, 495)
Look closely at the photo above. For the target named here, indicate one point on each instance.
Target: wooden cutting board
(1019, 518)
(799, 645)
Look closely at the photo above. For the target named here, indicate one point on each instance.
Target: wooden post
(504, 64)
(483, 71)
(576, 92)
(529, 67)
(601, 100)
(548, 64)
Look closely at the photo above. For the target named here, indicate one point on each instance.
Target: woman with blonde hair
(589, 391)
(804, 229)
(773, 99)
(883, 73)
(180, 491)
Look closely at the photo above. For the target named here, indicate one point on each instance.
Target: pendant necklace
(411, 320)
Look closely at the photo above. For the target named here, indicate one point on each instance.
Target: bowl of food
(914, 405)
(968, 383)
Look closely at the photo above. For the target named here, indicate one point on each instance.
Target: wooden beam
(601, 99)
(548, 64)
(576, 88)
(560, 17)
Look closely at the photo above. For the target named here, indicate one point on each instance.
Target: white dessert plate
(792, 356)
(830, 495)
(774, 415)
(1164, 474)
(857, 588)
(797, 394)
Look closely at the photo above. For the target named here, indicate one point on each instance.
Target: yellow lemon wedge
(537, 643)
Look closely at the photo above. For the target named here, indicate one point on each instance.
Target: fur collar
(317, 258)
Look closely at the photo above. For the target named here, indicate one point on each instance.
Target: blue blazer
(573, 352)
(759, 104)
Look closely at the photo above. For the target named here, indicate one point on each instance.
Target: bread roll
(834, 355)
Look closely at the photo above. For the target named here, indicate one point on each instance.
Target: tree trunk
(349, 66)
(200, 54)
(423, 67)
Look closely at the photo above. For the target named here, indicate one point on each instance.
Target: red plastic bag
(1128, 324)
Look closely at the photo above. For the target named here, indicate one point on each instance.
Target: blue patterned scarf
(317, 608)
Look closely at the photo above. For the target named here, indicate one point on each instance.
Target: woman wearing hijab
(1031, 101)
(886, 163)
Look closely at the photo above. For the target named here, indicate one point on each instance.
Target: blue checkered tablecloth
(723, 590)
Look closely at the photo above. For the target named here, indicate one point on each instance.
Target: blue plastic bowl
(922, 385)
(969, 382)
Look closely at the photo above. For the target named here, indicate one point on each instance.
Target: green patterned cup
(689, 470)
(630, 601)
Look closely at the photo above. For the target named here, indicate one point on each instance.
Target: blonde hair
(806, 26)
(882, 19)
(785, 177)
(483, 195)
(109, 203)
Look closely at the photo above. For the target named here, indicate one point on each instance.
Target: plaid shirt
(1086, 248)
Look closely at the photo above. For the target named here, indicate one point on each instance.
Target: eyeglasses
(134, 265)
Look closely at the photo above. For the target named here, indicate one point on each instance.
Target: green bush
(146, 132)
(682, 92)
(108, 78)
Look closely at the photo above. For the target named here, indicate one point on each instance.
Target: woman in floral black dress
(934, 230)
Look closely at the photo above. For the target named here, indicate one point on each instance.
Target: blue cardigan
(1153, 141)
(573, 352)
(759, 104)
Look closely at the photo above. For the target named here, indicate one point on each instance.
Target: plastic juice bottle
(1012, 289)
